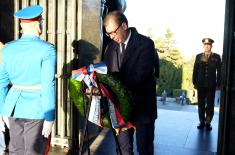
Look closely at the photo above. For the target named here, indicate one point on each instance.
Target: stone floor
(175, 134)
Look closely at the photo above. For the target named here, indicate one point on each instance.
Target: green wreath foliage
(120, 93)
(76, 94)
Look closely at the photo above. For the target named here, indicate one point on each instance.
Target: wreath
(119, 92)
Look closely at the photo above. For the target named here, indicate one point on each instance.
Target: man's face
(117, 32)
(207, 48)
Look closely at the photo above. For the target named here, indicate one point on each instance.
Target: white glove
(47, 126)
(2, 126)
(6, 121)
(1, 45)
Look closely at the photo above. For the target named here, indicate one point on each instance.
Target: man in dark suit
(133, 56)
(206, 79)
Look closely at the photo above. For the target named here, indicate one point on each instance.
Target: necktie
(121, 53)
(123, 47)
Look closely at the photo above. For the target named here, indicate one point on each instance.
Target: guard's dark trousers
(206, 98)
(26, 137)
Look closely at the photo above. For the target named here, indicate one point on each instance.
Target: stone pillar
(89, 31)
(89, 42)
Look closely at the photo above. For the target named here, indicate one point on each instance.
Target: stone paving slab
(175, 133)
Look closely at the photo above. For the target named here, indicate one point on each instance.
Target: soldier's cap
(207, 41)
(29, 14)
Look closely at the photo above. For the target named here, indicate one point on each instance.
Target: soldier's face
(207, 47)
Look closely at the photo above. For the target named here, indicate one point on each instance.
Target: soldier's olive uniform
(206, 77)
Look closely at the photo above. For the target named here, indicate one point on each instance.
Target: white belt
(37, 87)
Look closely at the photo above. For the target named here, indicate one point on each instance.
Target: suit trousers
(145, 138)
(26, 137)
(206, 97)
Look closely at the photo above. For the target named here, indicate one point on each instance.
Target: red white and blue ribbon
(87, 73)
(117, 120)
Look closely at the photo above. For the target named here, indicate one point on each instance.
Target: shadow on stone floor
(175, 134)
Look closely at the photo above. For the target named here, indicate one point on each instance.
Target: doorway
(188, 22)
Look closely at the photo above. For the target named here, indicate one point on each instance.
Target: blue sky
(189, 20)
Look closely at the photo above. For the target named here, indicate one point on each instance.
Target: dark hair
(120, 17)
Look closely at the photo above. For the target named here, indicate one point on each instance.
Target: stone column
(89, 31)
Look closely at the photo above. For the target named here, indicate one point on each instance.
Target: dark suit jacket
(207, 73)
(137, 73)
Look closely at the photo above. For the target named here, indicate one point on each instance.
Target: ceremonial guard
(28, 64)
(206, 79)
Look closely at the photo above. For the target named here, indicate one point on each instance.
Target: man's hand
(1, 45)
(94, 91)
(47, 126)
(6, 121)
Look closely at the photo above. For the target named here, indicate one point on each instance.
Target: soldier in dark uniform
(206, 79)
